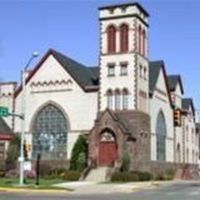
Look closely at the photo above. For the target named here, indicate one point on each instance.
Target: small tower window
(111, 69)
(144, 42)
(145, 73)
(117, 99)
(123, 69)
(125, 98)
(124, 38)
(111, 39)
(139, 39)
(110, 99)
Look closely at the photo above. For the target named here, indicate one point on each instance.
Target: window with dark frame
(124, 69)
(111, 69)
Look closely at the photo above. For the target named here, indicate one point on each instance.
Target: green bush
(131, 176)
(169, 174)
(124, 177)
(145, 176)
(70, 175)
(78, 160)
(125, 162)
(57, 172)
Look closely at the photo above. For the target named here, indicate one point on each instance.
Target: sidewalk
(105, 188)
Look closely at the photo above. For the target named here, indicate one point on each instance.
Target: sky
(72, 27)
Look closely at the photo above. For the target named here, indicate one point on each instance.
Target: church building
(127, 104)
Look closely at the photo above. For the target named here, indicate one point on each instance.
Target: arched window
(124, 38)
(110, 99)
(111, 39)
(178, 153)
(125, 98)
(143, 43)
(145, 73)
(117, 100)
(139, 39)
(50, 134)
(161, 137)
(187, 155)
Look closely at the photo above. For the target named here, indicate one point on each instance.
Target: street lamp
(23, 112)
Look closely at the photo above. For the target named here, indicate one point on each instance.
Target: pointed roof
(83, 75)
(173, 80)
(154, 71)
(186, 103)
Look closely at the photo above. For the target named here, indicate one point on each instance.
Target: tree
(79, 154)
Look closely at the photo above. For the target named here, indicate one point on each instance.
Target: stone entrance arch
(107, 149)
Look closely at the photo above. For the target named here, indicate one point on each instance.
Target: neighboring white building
(127, 101)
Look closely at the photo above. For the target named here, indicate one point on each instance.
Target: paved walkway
(83, 187)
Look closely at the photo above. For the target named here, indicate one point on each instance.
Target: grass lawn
(30, 183)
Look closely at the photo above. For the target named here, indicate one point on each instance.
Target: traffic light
(28, 147)
(177, 117)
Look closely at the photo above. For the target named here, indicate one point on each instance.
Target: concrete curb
(14, 190)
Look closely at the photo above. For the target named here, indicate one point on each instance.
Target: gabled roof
(82, 74)
(173, 80)
(154, 71)
(186, 103)
(5, 131)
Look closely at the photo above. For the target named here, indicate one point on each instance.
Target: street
(178, 191)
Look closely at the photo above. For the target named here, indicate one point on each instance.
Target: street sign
(4, 111)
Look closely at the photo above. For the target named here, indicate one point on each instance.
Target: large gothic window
(111, 39)
(124, 39)
(50, 134)
(161, 137)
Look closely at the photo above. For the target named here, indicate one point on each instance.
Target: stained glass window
(161, 137)
(50, 134)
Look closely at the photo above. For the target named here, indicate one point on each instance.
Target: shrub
(57, 172)
(169, 174)
(13, 173)
(70, 175)
(125, 162)
(2, 174)
(78, 160)
(30, 174)
(145, 176)
(131, 176)
(124, 177)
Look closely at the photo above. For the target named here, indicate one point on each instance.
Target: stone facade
(132, 133)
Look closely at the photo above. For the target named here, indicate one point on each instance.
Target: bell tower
(124, 71)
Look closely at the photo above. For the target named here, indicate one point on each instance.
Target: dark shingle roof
(173, 80)
(83, 75)
(95, 71)
(78, 71)
(154, 69)
(186, 103)
(4, 128)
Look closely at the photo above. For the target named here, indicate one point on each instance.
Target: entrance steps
(99, 174)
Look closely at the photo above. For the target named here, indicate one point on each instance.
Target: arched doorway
(161, 132)
(107, 149)
(50, 134)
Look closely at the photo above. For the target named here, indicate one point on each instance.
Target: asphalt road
(180, 191)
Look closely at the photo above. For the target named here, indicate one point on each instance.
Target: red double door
(107, 153)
